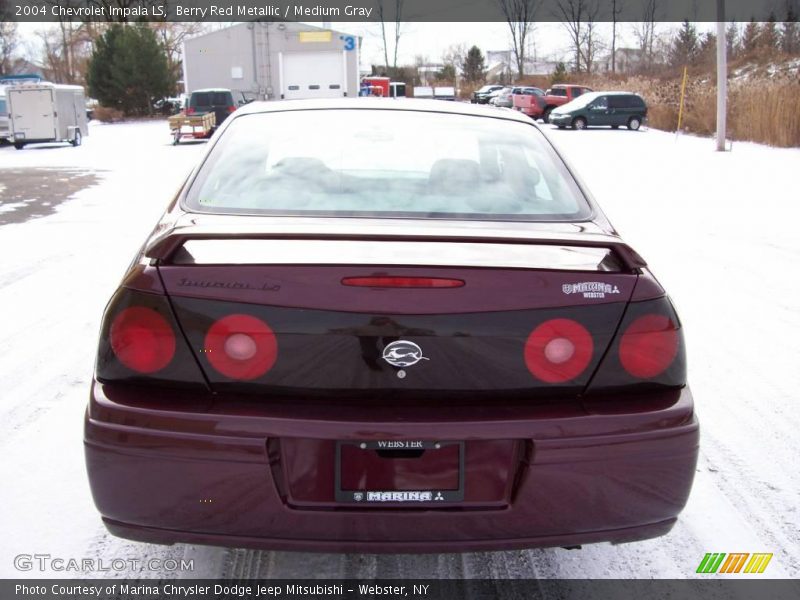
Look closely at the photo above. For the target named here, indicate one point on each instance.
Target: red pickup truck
(540, 106)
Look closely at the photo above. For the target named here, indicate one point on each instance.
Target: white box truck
(46, 112)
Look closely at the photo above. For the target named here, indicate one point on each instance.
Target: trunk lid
(377, 341)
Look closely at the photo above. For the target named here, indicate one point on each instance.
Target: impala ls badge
(403, 353)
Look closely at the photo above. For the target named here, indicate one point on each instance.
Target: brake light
(231, 109)
(403, 282)
(649, 346)
(648, 350)
(142, 339)
(558, 350)
(190, 111)
(241, 347)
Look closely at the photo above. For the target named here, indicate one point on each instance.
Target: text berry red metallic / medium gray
(392, 326)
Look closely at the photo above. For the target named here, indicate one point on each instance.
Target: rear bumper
(206, 476)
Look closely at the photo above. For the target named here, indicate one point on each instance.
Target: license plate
(409, 472)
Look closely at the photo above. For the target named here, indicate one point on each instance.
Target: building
(629, 60)
(502, 66)
(273, 61)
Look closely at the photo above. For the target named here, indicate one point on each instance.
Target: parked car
(483, 95)
(501, 97)
(560, 94)
(221, 102)
(170, 106)
(595, 109)
(529, 100)
(471, 358)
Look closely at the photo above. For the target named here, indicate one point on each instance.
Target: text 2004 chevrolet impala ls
(388, 326)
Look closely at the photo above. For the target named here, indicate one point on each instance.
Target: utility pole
(722, 76)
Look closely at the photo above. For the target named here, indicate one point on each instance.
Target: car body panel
(582, 474)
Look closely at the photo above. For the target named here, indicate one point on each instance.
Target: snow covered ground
(719, 230)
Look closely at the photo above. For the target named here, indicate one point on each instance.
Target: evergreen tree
(790, 32)
(767, 40)
(474, 67)
(750, 37)
(732, 40)
(685, 46)
(128, 69)
(559, 74)
(707, 50)
(446, 73)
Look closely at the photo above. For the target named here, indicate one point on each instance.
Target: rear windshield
(211, 99)
(382, 163)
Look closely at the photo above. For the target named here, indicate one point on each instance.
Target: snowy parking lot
(718, 229)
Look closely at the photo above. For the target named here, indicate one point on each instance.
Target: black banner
(394, 589)
(387, 10)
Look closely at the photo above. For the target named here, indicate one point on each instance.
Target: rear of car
(373, 344)
(502, 98)
(530, 101)
(219, 101)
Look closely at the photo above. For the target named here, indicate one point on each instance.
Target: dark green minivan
(597, 109)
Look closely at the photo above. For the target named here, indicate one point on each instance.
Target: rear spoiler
(163, 247)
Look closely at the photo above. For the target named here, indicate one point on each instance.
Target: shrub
(108, 115)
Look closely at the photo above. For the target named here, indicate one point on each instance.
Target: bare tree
(617, 6)
(8, 45)
(579, 17)
(67, 49)
(171, 35)
(398, 11)
(645, 32)
(398, 4)
(520, 15)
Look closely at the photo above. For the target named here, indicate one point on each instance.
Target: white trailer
(46, 112)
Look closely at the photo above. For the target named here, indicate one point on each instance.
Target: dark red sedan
(388, 326)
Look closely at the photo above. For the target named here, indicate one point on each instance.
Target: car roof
(204, 90)
(393, 104)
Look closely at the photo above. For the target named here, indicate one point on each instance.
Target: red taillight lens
(403, 282)
(648, 346)
(190, 111)
(142, 339)
(558, 350)
(241, 347)
(231, 109)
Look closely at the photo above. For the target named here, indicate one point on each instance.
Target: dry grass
(108, 115)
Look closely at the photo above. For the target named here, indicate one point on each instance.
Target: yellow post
(683, 95)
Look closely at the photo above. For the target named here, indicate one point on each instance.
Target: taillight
(403, 282)
(649, 345)
(190, 111)
(558, 350)
(142, 339)
(231, 109)
(241, 347)
(647, 352)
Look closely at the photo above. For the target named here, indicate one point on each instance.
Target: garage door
(313, 75)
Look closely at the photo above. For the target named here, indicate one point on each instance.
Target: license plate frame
(421, 497)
